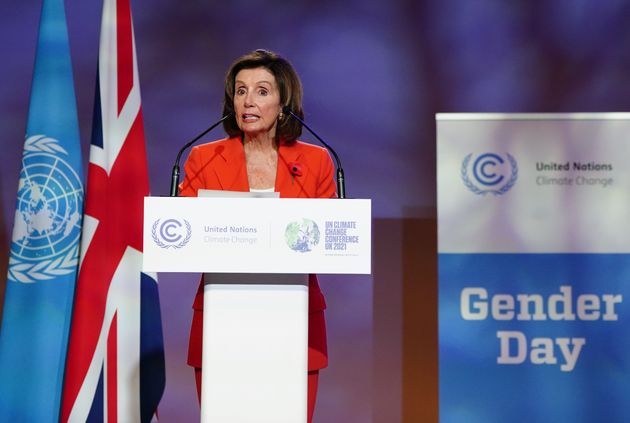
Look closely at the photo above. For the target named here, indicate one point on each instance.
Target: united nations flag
(47, 222)
(46, 231)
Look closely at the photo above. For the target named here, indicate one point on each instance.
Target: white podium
(255, 347)
(256, 254)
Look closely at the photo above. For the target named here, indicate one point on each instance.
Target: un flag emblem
(48, 214)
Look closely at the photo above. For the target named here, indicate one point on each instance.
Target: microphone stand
(341, 184)
(175, 173)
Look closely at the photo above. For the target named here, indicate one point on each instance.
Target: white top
(261, 190)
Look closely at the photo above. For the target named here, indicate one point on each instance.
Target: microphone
(341, 184)
(175, 173)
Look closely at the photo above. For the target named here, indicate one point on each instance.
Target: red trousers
(313, 379)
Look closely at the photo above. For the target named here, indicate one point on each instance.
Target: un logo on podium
(48, 214)
(171, 233)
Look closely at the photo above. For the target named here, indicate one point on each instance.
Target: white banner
(533, 267)
(533, 183)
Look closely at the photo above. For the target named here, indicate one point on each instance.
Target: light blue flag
(46, 231)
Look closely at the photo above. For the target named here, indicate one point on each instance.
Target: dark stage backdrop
(375, 72)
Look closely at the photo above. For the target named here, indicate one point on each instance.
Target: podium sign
(257, 235)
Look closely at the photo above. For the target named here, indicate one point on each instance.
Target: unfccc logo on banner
(489, 173)
(171, 233)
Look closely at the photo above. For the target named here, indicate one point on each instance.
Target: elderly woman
(262, 153)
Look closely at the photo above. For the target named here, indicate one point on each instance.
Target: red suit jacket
(304, 171)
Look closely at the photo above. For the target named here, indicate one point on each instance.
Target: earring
(281, 115)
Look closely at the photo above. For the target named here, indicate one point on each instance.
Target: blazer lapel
(286, 183)
(232, 172)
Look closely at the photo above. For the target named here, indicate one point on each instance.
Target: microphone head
(287, 110)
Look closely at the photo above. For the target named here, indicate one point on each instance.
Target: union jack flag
(115, 361)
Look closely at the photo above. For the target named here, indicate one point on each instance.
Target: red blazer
(221, 165)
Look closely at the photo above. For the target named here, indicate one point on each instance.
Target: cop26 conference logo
(489, 173)
(171, 233)
(302, 236)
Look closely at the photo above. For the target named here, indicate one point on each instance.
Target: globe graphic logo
(302, 236)
(48, 214)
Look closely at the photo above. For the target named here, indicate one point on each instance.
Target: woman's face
(256, 101)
